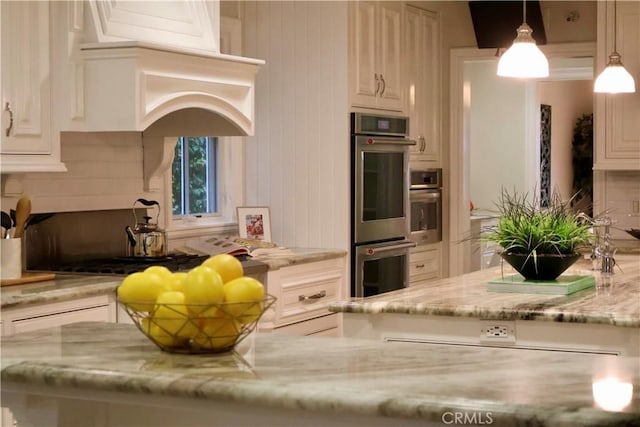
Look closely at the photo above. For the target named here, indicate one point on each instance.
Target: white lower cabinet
(98, 309)
(303, 294)
(424, 263)
(483, 254)
(26, 319)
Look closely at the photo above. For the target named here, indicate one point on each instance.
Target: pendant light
(614, 78)
(523, 59)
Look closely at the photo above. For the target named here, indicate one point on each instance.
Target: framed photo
(254, 223)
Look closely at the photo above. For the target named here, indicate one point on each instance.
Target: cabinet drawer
(93, 314)
(307, 299)
(325, 326)
(424, 264)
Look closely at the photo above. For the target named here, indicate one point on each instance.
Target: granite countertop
(73, 286)
(467, 296)
(64, 287)
(284, 257)
(357, 377)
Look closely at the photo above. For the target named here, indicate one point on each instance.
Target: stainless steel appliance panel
(425, 199)
(381, 267)
(381, 189)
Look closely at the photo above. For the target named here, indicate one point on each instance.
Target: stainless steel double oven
(379, 203)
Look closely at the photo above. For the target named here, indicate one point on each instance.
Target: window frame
(230, 194)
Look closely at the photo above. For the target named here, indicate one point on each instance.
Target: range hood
(135, 86)
(156, 67)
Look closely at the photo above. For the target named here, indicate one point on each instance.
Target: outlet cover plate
(498, 331)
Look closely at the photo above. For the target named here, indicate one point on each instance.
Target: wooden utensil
(23, 210)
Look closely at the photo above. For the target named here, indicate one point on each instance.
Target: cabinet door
(389, 55)
(364, 81)
(375, 55)
(421, 80)
(618, 127)
(26, 82)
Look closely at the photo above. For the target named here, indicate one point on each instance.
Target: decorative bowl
(542, 266)
(198, 328)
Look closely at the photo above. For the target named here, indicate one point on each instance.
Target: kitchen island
(105, 374)
(460, 310)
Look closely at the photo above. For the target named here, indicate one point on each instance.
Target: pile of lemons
(205, 307)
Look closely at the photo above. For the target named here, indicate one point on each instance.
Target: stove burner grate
(128, 265)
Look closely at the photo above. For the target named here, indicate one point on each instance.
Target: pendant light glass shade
(523, 59)
(614, 78)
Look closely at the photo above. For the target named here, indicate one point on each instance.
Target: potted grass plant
(540, 243)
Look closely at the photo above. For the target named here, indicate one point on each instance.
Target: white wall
(297, 163)
(497, 135)
(569, 100)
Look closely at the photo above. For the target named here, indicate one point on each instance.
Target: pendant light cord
(524, 11)
(615, 25)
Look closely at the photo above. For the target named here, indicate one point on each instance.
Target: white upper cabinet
(421, 53)
(375, 55)
(28, 143)
(617, 143)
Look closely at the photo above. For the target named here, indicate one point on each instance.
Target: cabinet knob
(319, 295)
(7, 131)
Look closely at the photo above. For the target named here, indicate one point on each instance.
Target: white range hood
(156, 67)
(137, 86)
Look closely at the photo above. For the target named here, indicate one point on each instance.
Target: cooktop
(127, 265)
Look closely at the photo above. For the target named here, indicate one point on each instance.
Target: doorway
(567, 62)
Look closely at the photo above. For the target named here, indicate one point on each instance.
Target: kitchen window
(194, 177)
(204, 185)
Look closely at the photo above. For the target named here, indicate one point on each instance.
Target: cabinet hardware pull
(377, 83)
(319, 295)
(423, 144)
(8, 130)
(420, 266)
(384, 85)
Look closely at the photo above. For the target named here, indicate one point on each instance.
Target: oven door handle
(415, 194)
(394, 141)
(403, 245)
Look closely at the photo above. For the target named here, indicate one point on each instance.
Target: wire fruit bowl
(198, 328)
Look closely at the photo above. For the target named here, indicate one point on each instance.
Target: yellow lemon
(244, 296)
(176, 280)
(159, 270)
(171, 315)
(140, 290)
(217, 334)
(158, 335)
(228, 266)
(203, 286)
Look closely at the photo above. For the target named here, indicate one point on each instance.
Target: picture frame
(254, 222)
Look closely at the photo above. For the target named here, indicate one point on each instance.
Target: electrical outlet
(497, 331)
(636, 206)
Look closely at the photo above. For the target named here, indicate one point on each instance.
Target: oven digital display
(384, 125)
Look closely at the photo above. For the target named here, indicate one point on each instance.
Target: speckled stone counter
(73, 286)
(293, 256)
(467, 296)
(302, 378)
(64, 287)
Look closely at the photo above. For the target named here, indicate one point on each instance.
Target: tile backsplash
(104, 172)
